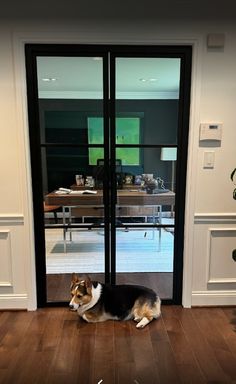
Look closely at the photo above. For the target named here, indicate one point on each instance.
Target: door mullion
(106, 191)
(113, 169)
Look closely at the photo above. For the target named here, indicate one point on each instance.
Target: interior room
(180, 242)
(145, 113)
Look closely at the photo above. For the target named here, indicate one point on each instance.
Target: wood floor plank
(163, 353)
(104, 353)
(27, 345)
(146, 370)
(225, 320)
(188, 367)
(208, 325)
(200, 346)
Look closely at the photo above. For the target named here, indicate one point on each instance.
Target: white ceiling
(81, 77)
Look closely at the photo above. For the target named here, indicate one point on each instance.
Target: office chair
(53, 209)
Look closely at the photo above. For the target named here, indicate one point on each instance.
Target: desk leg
(64, 229)
(69, 208)
(157, 211)
(160, 222)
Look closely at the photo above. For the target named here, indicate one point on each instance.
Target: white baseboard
(13, 301)
(214, 298)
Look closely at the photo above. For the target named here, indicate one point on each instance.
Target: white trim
(13, 301)
(212, 298)
(219, 218)
(11, 218)
(222, 281)
(191, 180)
(209, 242)
(25, 168)
(8, 260)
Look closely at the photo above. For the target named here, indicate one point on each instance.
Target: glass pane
(154, 169)
(62, 167)
(79, 247)
(148, 88)
(145, 256)
(70, 91)
(145, 200)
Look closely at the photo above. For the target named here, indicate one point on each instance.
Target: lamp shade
(168, 154)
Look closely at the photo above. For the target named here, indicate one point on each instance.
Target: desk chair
(53, 209)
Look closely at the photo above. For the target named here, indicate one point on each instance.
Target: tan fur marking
(144, 313)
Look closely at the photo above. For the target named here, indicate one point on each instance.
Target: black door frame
(182, 52)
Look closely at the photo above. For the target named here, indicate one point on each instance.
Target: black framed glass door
(149, 141)
(111, 121)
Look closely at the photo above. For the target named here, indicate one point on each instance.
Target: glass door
(148, 118)
(70, 156)
(108, 132)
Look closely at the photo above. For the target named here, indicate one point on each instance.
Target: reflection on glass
(150, 86)
(155, 172)
(70, 89)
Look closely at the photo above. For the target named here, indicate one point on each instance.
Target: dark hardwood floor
(52, 345)
(58, 285)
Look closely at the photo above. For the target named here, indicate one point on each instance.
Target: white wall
(210, 210)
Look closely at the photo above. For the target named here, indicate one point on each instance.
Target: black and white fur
(97, 302)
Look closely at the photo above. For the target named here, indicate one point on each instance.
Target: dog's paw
(143, 322)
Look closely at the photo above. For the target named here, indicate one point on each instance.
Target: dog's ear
(74, 278)
(88, 282)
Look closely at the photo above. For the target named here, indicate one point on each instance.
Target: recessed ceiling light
(151, 80)
(47, 79)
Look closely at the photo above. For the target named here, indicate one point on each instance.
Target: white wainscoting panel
(5, 258)
(214, 270)
(222, 267)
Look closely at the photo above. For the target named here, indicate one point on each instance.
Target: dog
(97, 302)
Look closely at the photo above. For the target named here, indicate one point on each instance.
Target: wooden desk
(129, 203)
(124, 198)
(92, 205)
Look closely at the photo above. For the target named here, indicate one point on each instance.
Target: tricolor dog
(96, 302)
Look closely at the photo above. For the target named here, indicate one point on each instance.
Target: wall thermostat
(210, 131)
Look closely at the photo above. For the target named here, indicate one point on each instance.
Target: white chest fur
(96, 293)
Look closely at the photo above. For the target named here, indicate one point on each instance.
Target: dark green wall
(159, 126)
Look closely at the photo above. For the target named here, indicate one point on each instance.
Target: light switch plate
(209, 159)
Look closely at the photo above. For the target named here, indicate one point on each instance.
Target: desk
(124, 198)
(130, 200)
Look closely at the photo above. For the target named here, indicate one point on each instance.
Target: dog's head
(81, 291)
